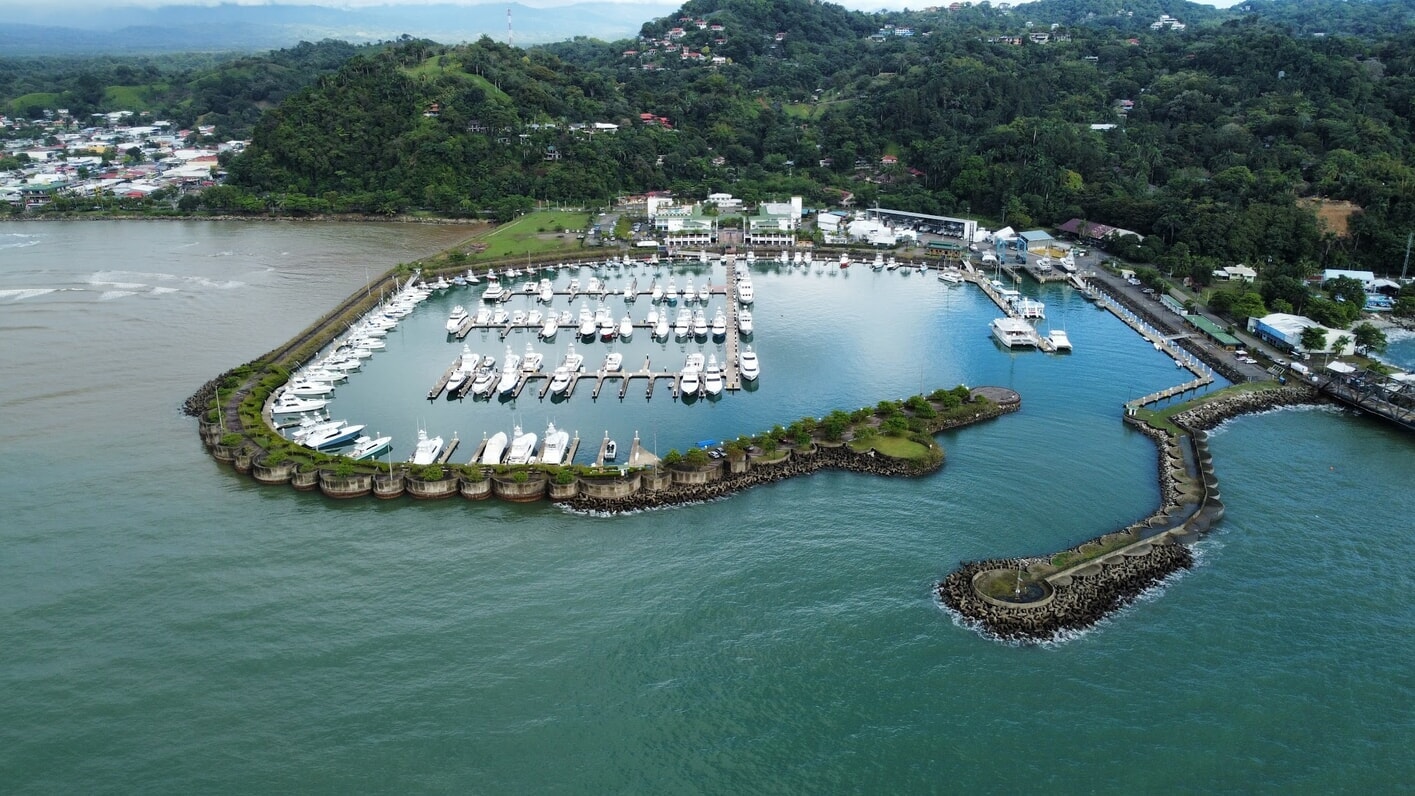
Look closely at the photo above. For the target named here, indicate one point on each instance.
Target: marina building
(1284, 330)
(775, 224)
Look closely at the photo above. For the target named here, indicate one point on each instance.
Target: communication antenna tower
(510, 39)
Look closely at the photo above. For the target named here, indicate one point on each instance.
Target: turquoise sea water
(172, 627)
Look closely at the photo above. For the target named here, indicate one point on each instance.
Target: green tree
(1314, 338)
(1369, 337)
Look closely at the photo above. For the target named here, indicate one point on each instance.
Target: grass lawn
(535, 233)
(895, 447)
(42, 99)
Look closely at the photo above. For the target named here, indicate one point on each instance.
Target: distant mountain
(34, 29)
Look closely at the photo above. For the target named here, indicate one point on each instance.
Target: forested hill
(1204, 138)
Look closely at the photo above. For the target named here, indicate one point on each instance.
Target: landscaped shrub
(564, 477)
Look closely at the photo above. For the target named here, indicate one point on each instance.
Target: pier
(1037, 338)
(442, 382)
(448, 450)
(1202, 375)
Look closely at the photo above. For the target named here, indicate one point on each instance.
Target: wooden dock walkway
(442, 382)
(731, 376)
(447, 451)
(481, 448)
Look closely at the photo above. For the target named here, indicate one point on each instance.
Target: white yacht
(683, 322)
(427, 448)
(745, 293)
(605, 320)
(626, 328)
(1059, 340)
(704, 294)
(556, 444)
(690, 293)
(1030, 308)
(531, 362)
(500, 316)
(694, 361)
(311, 426)
(748, 364)
(560, 380)
(494, 449)
(656, 292)
(493, 292)
(614, 362)
(308, 389)
(712, 377)
(523, 447)
(719, 324)
(466, 369)
(1014, 332)
(573, 362)
(368, 447)
(510, 372)
(547, 293)
(700, 324)
(486, 378)
(690, 381)
(950, 276)
(289, 404)
(660, 328)
(483, 316)
(455, 318)
(550, 328)
(671, 293)
(744, 321)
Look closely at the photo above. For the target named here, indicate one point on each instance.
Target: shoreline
(327, 218)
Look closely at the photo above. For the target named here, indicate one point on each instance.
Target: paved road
(1112, 283)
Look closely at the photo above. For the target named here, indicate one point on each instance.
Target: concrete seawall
(652, 487)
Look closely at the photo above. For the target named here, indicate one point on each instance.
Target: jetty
(442, 382)
(1203, 376)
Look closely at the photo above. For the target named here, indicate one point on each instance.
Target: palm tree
(1338, 345)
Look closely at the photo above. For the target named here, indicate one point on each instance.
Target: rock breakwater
(1075, 603)
(1211, 413)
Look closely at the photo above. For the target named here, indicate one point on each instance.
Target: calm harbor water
(173, 627)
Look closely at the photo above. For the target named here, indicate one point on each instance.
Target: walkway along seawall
(1040, 598)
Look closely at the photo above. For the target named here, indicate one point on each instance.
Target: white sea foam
(20, 294)
(137, 280)
(109, 295)
(18, 240)
(160, 291)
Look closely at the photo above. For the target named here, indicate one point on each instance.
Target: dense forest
(229, 91)
(1207, 140)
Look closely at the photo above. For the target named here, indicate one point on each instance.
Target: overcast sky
(863, 5)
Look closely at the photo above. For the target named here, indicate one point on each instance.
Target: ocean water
(170, 626)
